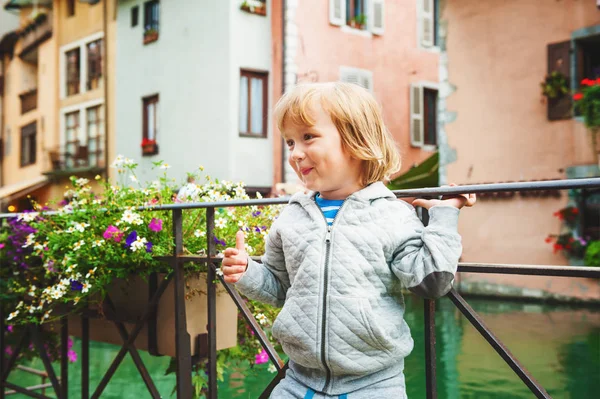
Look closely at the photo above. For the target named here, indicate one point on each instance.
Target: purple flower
(1, 245)
(262, 357)
(131, 238)
(70, 343)
(148, 246)
(9, 328)
(155, 224)
(255, 214)
(76, 285)
(72, 355)
(257, 229)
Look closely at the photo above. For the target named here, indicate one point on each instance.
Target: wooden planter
(254, 10)
(150, 149)
(150, 37)
(131, 299)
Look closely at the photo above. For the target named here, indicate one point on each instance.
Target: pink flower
(155, 225)
(113, 233)
(9, 328)
(1, 245)
(262, 357)
(72, 355)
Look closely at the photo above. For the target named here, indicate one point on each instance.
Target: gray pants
(392, 388)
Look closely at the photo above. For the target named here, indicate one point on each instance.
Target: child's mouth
(306, 171)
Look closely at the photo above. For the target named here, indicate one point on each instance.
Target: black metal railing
(184, 357)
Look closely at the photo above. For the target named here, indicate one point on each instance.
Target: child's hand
(235, 260)
(457, 201)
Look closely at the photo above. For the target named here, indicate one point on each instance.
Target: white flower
(199, 233)
(19, 305)
(133, 178)
(32, 290)
(78, 245)
(219, 272)
(80, 226)
(258, 195)
(90, 272)
(239, 191)
(12, 315)
(272, 368)
(97, 243)
(249, 249)
(27, 217)
(70, 230)
(118, 162)
(30, 240)
(139, 243)
(165, 166)
(69, 270)
(132, 217)
(85, 287)
(47, 314)
(220, 223)
(81, 182)
(97, 202)
(262, 319)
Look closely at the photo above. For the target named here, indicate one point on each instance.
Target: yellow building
(56, 116)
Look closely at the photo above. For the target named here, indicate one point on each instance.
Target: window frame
(98, 61)
(264, 76)
(435, 45)
(135, 16)
(422, 86)
(80, 129)
(31, 158)
(70, 7)
(70, 78)
(146, 102)
(83, 64)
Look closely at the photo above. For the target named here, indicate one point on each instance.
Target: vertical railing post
(85, 355)
(212, 306)
(430, 356)
(64, 360)
(182, 338)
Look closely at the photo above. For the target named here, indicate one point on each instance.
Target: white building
(193, 75)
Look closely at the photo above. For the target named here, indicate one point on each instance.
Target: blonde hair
(357, 117)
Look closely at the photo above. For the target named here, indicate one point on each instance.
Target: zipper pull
(328, 235)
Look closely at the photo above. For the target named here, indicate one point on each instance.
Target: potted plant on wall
(587, 103)
(150, 35)
(359, 21)
(149, 147)
(254, 7)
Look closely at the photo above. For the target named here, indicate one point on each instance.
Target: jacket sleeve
(427, 257)
(268, 281)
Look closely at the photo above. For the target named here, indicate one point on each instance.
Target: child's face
(317, 156)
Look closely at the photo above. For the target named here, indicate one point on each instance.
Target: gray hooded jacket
(342, 322)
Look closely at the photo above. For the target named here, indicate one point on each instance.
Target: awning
(17, 190)
(423, 175)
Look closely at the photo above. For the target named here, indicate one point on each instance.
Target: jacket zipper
(325, 284)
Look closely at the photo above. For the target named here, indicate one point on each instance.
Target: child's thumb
(239, 241)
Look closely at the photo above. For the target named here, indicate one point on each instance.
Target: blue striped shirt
(329, 208)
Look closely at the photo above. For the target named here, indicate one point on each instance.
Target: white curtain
(243, 104)
(256, 91)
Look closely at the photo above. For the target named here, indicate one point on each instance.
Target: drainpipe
(283, 9)
(105, 72)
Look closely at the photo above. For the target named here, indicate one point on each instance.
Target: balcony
(76, 157)
(28, 101)
(33, 34)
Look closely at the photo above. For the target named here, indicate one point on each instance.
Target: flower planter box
(130, 299)
(149, 149)
(150, 37)
(254, 10)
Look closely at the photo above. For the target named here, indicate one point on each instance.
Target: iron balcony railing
(208, 345)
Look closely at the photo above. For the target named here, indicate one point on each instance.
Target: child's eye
(308, 136)
(290, 143)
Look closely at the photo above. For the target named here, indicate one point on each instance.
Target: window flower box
(149, 147)
(254, 7)
(150, 35)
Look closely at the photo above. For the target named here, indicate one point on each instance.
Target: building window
(28, 144)
(150, 115)
(70, 8)
(428, 23)
(94, 64)
(361, 77)
(358, 14)
(587, 58)
(135, 15)
(95, 135)
(73, 71)
(71, 138)
(253, 103)
(423, 115)
(151, 20)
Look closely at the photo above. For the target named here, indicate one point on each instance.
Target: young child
(337, 258)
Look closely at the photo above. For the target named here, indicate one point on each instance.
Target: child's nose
(297, 154)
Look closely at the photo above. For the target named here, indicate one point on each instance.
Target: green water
(560, 346)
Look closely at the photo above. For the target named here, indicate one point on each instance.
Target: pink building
(387, 47)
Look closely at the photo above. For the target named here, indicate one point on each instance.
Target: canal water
(559, 345)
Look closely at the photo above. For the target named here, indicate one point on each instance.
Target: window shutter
(427, 23)
(416, 115)
(337, 12)
(361, 77)
(559, 59)
(376, 16)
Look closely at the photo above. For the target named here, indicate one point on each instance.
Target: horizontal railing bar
(565, 184)
(495, 343)
(27, 391)
(534, 270)
(30, 370)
